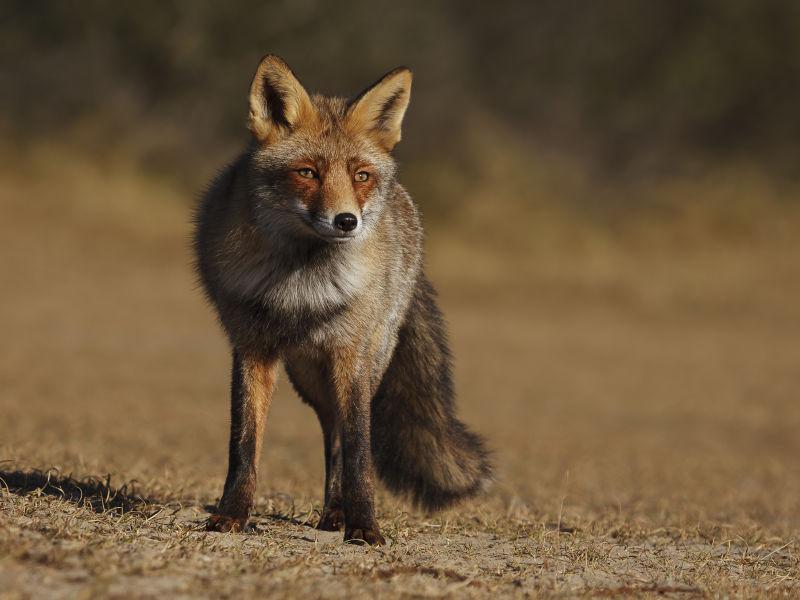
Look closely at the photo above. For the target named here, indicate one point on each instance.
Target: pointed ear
(380, 108)
(278, 101)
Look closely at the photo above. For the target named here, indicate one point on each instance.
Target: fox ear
(380, 108)
(278, 101)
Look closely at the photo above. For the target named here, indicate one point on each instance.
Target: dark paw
(332, 519)
(364, 535)
(226, 524)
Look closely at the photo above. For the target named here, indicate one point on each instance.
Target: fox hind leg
(332, 518)
(309, 376)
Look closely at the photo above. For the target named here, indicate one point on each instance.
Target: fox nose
(346, 221)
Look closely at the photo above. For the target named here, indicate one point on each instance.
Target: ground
(642, 406)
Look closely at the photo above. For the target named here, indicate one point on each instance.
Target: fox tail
(420, 448)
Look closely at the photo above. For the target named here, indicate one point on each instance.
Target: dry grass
(640, 391)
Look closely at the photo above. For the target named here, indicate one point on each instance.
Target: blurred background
(612, 201)
(558, 103)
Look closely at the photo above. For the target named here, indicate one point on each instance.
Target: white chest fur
(291, 285)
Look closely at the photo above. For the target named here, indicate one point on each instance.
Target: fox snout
(347, 222)
(336, 227)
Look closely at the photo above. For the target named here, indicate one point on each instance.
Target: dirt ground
(642, 404)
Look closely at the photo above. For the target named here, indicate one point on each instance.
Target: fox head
(322, 166)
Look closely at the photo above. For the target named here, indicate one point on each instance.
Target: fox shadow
(91, 492)
(100, 496)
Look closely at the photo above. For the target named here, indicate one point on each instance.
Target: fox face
(322, 166)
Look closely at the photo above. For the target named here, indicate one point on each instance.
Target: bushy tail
(419, 446)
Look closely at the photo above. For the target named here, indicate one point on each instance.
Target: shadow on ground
(92, 492)
(100, 496)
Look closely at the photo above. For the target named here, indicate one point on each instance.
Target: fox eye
(361, 176)
(307, 173)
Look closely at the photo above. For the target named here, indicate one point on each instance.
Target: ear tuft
(278, 101)
(380, 108)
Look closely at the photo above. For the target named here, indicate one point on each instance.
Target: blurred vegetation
(623, 87)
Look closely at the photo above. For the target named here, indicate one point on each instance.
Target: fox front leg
(252, 382)
(353, 403)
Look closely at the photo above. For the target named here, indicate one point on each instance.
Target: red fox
(311, 253)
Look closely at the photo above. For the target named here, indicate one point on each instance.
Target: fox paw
(225, 524)
(361, 536)
(332, 519)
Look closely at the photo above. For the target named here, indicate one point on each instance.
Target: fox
(310, 252)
